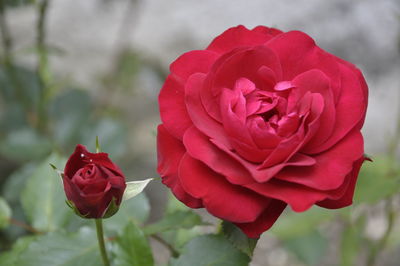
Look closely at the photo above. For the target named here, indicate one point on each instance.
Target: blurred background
(74, 69)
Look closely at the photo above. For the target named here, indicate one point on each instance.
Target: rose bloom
(93, 184)
(259, 120)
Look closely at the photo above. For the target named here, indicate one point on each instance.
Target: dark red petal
(221, 198)
(316, 81)
(298, 53)
(331, 167)
(169, 153)
(81, 157)
(264, 221)
(197, 61)
(75, 161)
(199, 147)
(350, 108)
(206, 124)
(239, 36)
(300, 198)
(347, 198)
(172, 107)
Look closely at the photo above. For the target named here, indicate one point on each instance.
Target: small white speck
(82, 155)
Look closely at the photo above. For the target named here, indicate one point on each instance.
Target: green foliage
(238, 238)
(309, 248)
(173, 221)
(5, 213)
(210, 250)
(67, 121)
(298, 224)
(378, 180)
(24, 144)
(351, 242)
(135, 210)
(57, 248)
(11, 258)
(132, 248)
(43, 198)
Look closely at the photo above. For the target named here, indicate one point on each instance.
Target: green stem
(380, 245)
(8, 59)
(43, 63)
(100, 238)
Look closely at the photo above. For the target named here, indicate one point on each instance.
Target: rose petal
(222, 199)
(199, 147)
(240, 36)
(331, 167)
(169, 153)
(264, 221)
(347, 198)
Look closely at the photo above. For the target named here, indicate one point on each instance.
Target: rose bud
(93, 184)
(259, 120)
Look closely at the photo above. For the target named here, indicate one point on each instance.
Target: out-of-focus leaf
(133, 188)
(70, 112)
(5, 213)
(19, 83)
(16, 182)
(134, 210)
(111, 133)
(178, 238)
(210, 250)
(125, 71)
(132, 248)
(309, 248)
(62, 249)
(43, 197)
(24, 144)
(377, 180)
(174, 205)
(10, 258)
(351, 242)
(12, 118)
(176, 220)
(298, 224)
(17, 3)
(238, 238)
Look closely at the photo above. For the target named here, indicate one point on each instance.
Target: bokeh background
(107, 62)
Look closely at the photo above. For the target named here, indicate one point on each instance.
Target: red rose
(93, 183)
(259, 120)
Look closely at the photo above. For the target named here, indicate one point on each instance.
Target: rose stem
(100, 238)
(43, 70)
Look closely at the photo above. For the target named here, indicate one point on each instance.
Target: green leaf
(238, 238)
(132, 248)
(210, 250)
(133, 188)
(10, 258)
(377, 180)
(136, 210)
(68, 122)
(176, 220)
(112, 134)
(298, 224)
(24, 144)
(310, 248)
(43, 198)
(351, 242)
(16, 182)
(62, 249)
(5, 213)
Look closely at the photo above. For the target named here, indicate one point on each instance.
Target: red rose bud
(93, 184)
(258, 120)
